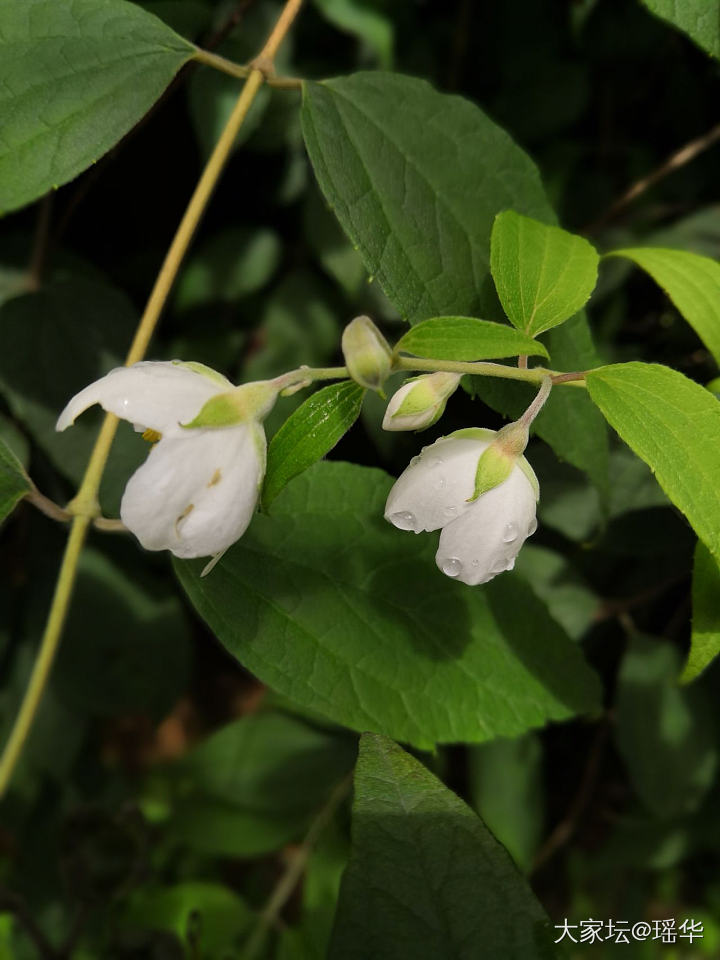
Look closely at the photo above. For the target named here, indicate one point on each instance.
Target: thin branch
(676, 160)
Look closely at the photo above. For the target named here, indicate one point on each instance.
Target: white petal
(157, 394)
(436, 486)
(485, 539)
(196, 494)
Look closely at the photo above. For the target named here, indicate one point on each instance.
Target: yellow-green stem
(484, 368)
(84, 505)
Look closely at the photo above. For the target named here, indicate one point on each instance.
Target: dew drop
(511, 565)
(533, 527)
(451, 567)
(404, 520)
(510, 532)
(437, 462)
(450, 511)
(441, 482)
(476, 563)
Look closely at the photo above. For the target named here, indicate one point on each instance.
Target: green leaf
(254, 785)
(673, 424)
(705, 637)
(426, 878)
(416, 177)
(56, 342)
(333, 607)
(468, 339)
(309, 433)
(74, 78)
(543, 275)
(664, 732)
(699, 19)
(359, 18)
(506, 787)
(691, 281)
(14, 482)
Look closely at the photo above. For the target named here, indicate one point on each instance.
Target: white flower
(479, 539)
(197, 491)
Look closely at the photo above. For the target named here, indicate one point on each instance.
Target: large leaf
(705, 637)
(691, 281)
(664, 732)
(673, 424)
(330, 605)
(56, 341)
(416, 177)
(543, 275)
(74, 78)
(14, 483)
(426, 878)
(699, 19)
(466, 338)
(309, 433)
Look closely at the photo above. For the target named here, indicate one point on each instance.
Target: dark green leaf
(673, 424)
(14, 483)
(416, 177)
(663, 731)
(543, 275)
(705, 637)
(465, 338)
(426, 878)
(74, 78)
(330, 605)
(309, 433)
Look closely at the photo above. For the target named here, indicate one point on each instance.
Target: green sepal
(474, 433)
(203, 370)
(530, 474)
(494, 467)
(250, 402)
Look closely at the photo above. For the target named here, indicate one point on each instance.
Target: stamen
(152, 436)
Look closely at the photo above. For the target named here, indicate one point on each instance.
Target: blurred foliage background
(163, 788)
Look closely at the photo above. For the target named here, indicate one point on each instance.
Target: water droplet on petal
(511, 565)
(533, 527)
(476, 563)
(437, 462)
(450, 511)
(404, 520)
(441, 482)
(510, 532)
(451, 567)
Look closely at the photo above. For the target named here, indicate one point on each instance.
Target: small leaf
(699, 19)
(705, 637)
(369, 25)
(74, 78)
(467, 339)
(331, 606)
(14, 483)
(426, 879)
(673, 424)
(664, 732)
(691, 281)
(309, 433)
(543, 274)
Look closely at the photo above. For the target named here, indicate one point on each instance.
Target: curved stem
(85, 505)
(485, 368)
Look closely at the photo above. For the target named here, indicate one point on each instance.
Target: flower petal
(196, 493)
(159, 395)
(487, 537)
(436, 486)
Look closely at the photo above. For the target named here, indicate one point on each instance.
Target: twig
(569, 824)
(674, 162)
(294, 871)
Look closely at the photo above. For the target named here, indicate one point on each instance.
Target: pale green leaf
(691, 281)
(465, 338)
(426, 878)
(543, 274)
(14, 483)
(673, 424)
(663, 731)
(369, 25)
(705, 636)
(416, 177)
(699, 19)
(309, 433)
(330, 605)
(74, 78)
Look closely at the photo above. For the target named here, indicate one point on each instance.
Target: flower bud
(248, 402)
(420, 402)
(367, 353)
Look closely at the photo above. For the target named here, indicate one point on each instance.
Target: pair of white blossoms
(196, 493)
